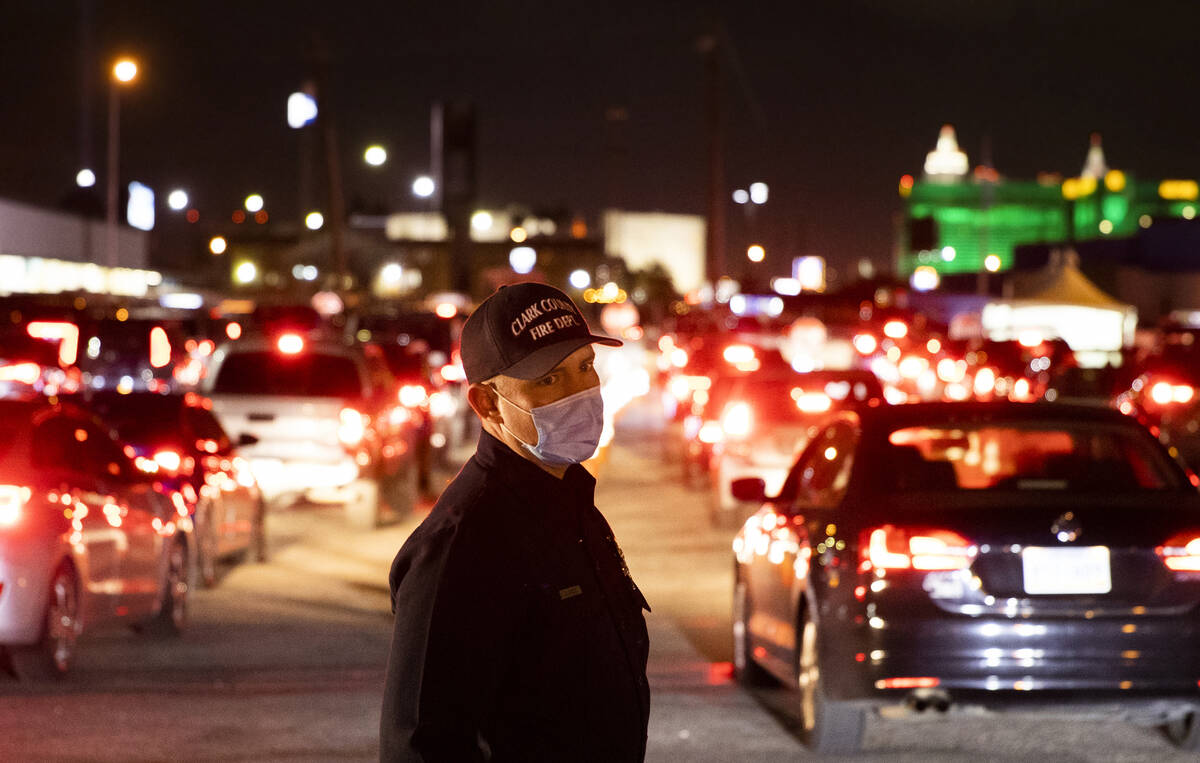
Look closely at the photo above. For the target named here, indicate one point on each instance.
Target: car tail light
(65, 332)
(290, 344)
(352, 427)
(865, 344)
(907, 682)
(1182, 552)
(1165, 393)
(169, 461)
(24, 373)
(896, 548)
(453, 372)
(160, 347)
(895, 329)
(412, 395)
(737, 420)
(12, 503)
(811, 402)
(710, 433)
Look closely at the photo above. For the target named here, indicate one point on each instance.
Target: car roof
(999, 411)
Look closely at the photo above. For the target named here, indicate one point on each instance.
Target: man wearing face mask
(519, 634)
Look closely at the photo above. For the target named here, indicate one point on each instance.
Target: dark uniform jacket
(519, 635)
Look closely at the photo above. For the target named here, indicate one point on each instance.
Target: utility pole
(333, 165)
(714, 245)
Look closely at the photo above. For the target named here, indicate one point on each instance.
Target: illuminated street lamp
(423, 187)
(124, 71)
(375, 155)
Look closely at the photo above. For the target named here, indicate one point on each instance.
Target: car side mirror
(245, 439)
(749, 489)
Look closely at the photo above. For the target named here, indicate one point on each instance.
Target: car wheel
(172, 618)
(403, 489)
(1184, 732)
(206, 548)
(54, 653)
(258, 534)
(746, 671)
(363, 511)
(827, 726)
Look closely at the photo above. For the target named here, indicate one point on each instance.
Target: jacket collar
(528, 478)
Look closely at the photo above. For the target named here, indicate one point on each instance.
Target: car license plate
(1066, 570)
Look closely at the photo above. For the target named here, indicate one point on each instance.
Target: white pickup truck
(327, 420)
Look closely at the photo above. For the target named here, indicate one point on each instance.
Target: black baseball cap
(524, 331)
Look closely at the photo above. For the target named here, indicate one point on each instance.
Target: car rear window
(308, 374)
(1028, 456)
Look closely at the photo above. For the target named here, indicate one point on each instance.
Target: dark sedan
(1004, 556)
(177, 439)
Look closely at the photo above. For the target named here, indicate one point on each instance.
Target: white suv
(325, 420)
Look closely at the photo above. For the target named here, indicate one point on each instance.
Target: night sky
(829, 103)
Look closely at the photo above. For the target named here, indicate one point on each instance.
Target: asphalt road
(284, 660)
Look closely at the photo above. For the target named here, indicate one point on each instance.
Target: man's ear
(484, 402)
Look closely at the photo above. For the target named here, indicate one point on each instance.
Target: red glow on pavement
(720, 673)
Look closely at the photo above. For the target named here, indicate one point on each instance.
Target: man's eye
(547, 381)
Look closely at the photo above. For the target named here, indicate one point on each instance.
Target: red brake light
(25, 373)
(160, 347)
(895, 548)
(168, 460)
(915, 682)
(66, 332)
(290, 344)
(412, 395)
(12, 503)
(1182, 552)
(352, 427)
(452, 372)
(737, 420)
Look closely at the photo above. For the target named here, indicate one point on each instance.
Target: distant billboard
(643, 239)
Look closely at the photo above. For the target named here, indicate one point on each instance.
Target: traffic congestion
(902, 508)
(599, 382)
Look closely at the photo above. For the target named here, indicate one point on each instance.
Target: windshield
(1082, 456)
(303, 375)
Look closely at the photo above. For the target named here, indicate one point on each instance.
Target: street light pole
(123, 72)
(114, 140)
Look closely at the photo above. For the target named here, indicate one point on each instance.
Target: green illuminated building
(954, 219)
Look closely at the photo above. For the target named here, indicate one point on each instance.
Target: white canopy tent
(1060, 302)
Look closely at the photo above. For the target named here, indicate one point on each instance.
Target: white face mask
(568, 430)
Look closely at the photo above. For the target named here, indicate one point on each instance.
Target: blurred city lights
(758, 193)
(375, 155)
(1106, 227)
(301, 110)
(740, 196)
(391, 274)
(245, 272)
(423, 187)
(522, 259)
(580, 279)
(177, 199)
(895, 329)
(193, 215)
(218, 245)
(992, 262)
(314, 220)
(481, 220)
(1188, 212)
(518, 234)
(304, 272)
(139, 210)
(253, 203)
(789, 287)
(233, 330)
(125, 70)
(755, 253)
(925, 278)
(446, 310)
(85, 178)
(949, 253)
